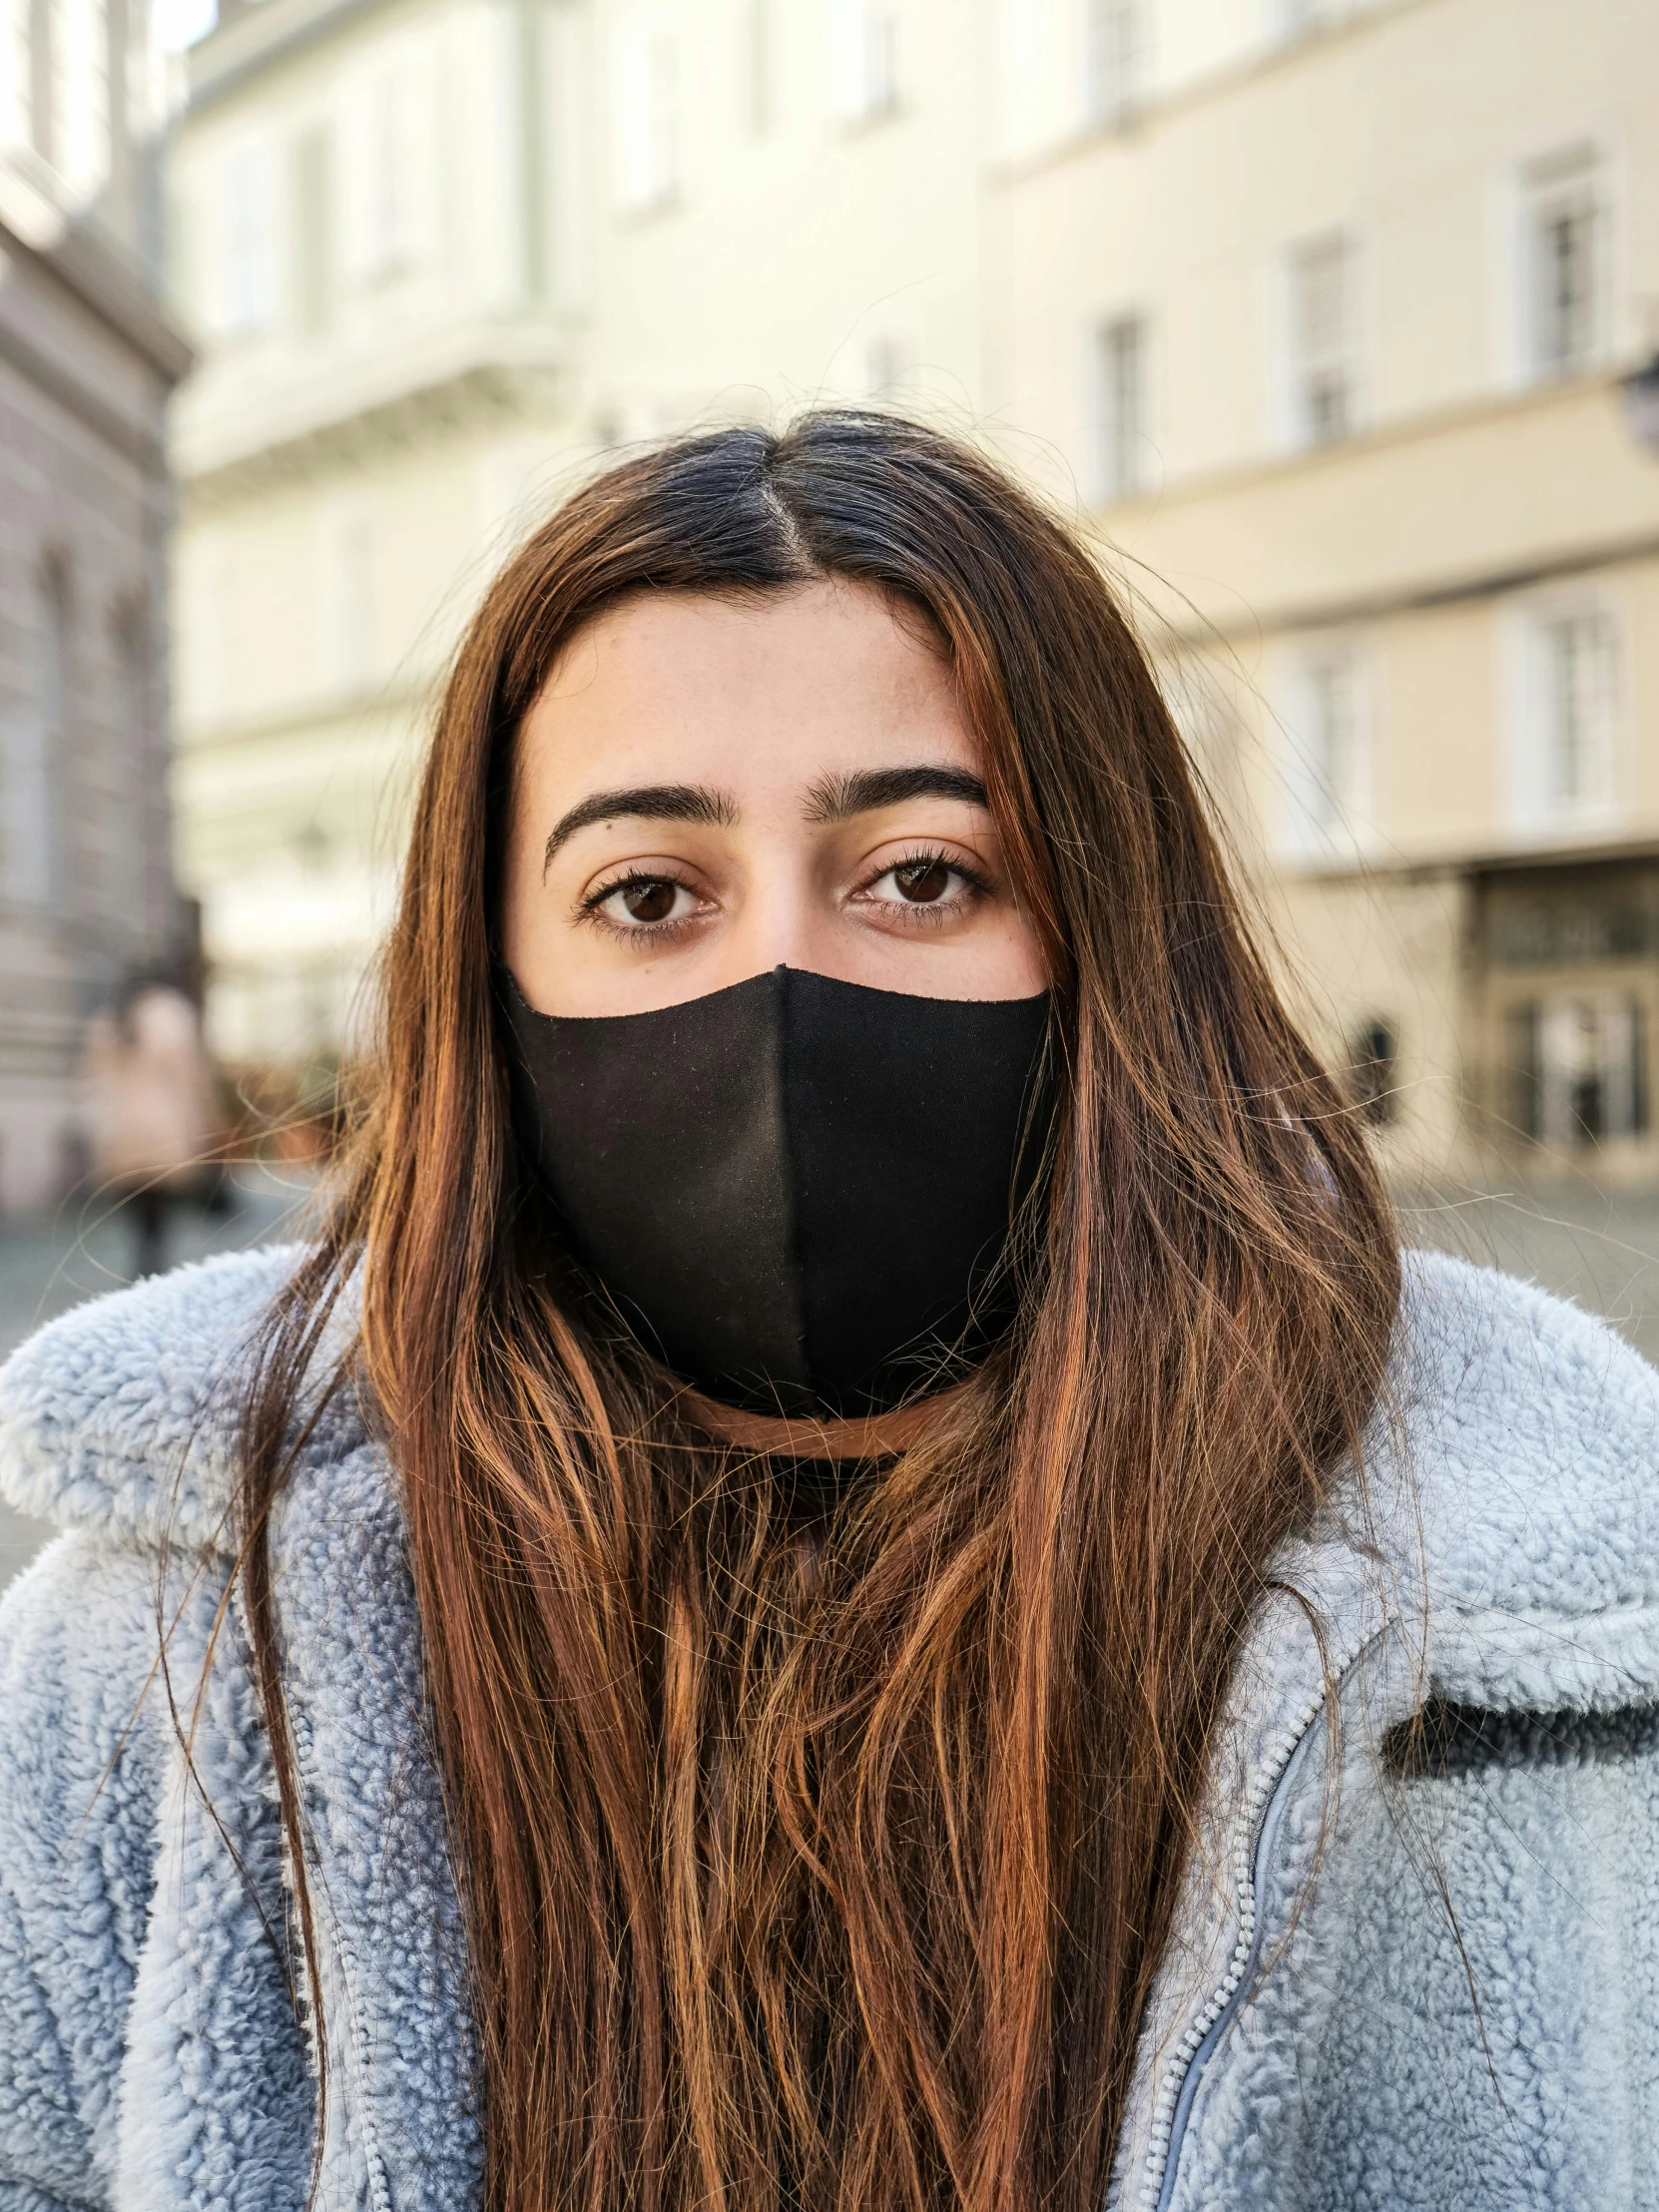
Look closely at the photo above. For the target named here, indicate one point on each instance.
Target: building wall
(1474, 493)
(87, 360)
(620, 220)
(1253, 287)
(828, 244)
(375, 247)
(324, 613)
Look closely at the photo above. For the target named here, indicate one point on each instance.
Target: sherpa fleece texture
(1413, 1965)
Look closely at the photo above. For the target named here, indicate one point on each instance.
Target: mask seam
(794, 1258)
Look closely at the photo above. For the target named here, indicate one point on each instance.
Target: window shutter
(849, 59)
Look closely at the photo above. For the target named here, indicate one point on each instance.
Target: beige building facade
(442, 255)
(1330, 330)
(1321, 311)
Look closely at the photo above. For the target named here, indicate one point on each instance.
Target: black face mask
(795, 1190)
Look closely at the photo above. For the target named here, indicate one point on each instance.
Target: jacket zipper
(1185, 2071)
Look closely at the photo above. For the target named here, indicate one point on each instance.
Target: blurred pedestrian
(150, 1108)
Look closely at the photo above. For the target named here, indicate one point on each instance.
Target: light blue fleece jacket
(1409, 1967)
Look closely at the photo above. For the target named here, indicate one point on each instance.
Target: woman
(845, 1579)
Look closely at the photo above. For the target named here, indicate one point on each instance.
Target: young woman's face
(706, 789)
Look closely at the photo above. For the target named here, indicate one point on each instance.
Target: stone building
(1323, 310)
(88, 357)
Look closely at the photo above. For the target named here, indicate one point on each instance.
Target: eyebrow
(831, 799)
(646, 803)
(838, 797)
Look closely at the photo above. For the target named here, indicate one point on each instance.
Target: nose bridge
(788, 907)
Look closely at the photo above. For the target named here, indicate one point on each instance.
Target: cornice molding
(251, 37)
(1528, 573)
(1472, 412)
(1476, 863)
(64, 389)
(1141, 118)
(33, 230)
(393, 706)
(477, 395)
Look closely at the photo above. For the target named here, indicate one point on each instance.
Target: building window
(43, 79)
(759, 65)
(1577, 1069)
(1300, 18)
(1324, 339)
(646, 114)
(131, 778)
(863, 58)
(208, 602)
(1117, 376)
(122, 21)
(1372, 1065)
(1575, 655)
(1326, 725)
(37, 738)
(1567, 715)
(885, 367)
(346, 599)
(1564, 232)
(314, 231)
(247, 242)
(1114, 57)
(388, 174)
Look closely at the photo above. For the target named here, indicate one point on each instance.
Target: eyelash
(643, 877)
(926, 857)
(921, 856)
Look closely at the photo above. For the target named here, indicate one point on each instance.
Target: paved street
(1584, 1245)
(1604, 1251)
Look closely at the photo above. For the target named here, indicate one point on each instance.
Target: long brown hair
(826, 1857)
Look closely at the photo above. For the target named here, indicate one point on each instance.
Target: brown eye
(922, 883)
(650, 901)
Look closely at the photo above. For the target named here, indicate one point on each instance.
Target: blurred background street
(1336, 322)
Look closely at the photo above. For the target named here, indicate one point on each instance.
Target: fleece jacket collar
(1503, 1552)
(1511, 1506)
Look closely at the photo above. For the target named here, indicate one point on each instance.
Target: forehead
(823, 674)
